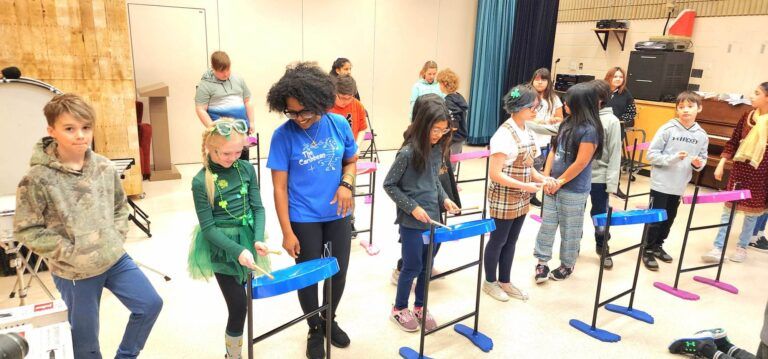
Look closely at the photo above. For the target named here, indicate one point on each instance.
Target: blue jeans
(760, 224)
(565, 210)
(746, 229)
(414, 255)
(599, 198)
(83, 297)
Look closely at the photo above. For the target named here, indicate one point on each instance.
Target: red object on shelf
(683, 24)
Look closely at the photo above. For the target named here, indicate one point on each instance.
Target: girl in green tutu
(229, 241)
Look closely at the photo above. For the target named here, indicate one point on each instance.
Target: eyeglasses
(225, 128)
(305, 114)
(440, 131)
(535, 107)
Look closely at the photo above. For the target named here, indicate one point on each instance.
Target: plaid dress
(506, 202)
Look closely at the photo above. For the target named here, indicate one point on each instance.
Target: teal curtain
(493, 42)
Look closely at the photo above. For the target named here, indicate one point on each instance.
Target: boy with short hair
(71, 209)
(678, 148)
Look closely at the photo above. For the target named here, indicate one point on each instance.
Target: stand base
(632, 313)
(370, 248)
(597, 333)
(480, 340)
(717, 284)
(676, 292)
(409, 353)
(536, 218)
(368, 199)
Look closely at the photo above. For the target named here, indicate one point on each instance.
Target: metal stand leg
(165, 276)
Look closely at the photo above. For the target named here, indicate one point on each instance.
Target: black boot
(339, 338)
(315, 343)
(535, 201)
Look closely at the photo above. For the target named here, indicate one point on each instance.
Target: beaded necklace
(247, 216)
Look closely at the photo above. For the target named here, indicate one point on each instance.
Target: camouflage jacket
(77, 220)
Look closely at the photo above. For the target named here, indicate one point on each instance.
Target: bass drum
(22, 124)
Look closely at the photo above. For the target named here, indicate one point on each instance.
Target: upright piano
(719, 119)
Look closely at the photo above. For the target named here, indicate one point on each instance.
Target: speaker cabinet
(658, 76)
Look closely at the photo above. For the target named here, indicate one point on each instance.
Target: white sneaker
(395, 277)
(513, 291)
(713, 256)
(495, 291)
(739, 256)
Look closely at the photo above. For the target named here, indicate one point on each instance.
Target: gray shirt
(410, 188)
(670, 174)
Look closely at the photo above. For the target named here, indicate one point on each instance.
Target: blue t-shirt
(314, 172)
(564, 159)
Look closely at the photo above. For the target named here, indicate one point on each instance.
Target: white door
(170, 45)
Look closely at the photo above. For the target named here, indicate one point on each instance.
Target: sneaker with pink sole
(404, 319)
(429, 322)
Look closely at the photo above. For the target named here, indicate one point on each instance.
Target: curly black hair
(305, 82)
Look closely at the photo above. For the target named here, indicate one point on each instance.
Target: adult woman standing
(622, 103)
(312, 158)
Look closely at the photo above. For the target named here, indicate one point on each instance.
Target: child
(457, 106)
(71, 209)
(580, 138)
(605, 170)
(549, 112)
(678, 148)
(231, 218)
(750, 168)
(513, 180)
(412, 183)
(427, 83)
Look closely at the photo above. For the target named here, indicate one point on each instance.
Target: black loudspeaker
(658, 76)
(564, 81)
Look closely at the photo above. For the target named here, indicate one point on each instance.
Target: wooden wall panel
(592, 10)
(80, 46)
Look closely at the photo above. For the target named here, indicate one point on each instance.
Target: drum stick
(259, 269)
(274, 251)
(469, 208)
(440, 224)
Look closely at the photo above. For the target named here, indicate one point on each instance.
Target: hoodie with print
(225, 98)
(77, 220)
(670, 174)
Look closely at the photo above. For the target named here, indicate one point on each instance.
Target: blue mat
(597, 333)
(480, 340)
(632, 313)
(409, 353)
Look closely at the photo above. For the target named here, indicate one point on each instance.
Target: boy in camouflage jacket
(71, 209)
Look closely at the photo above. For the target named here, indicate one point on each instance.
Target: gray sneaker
(405, 319)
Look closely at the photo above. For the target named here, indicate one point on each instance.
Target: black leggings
(237, 302)
(500, 250)
(312, 238)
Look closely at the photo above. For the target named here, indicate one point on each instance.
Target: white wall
(386, 40)
(738, 70)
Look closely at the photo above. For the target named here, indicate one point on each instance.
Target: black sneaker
(607, 261)
(354, 230)
(661, 254)
(620, 194)
(699, 347)
(315, 343)
(650, 261)
(339, 338)
(761, 244)
(535, 201)
(542, 273)
(561, 273)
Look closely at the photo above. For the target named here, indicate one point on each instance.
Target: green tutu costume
(234, 222)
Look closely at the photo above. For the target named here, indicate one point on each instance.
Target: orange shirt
(355, 115)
